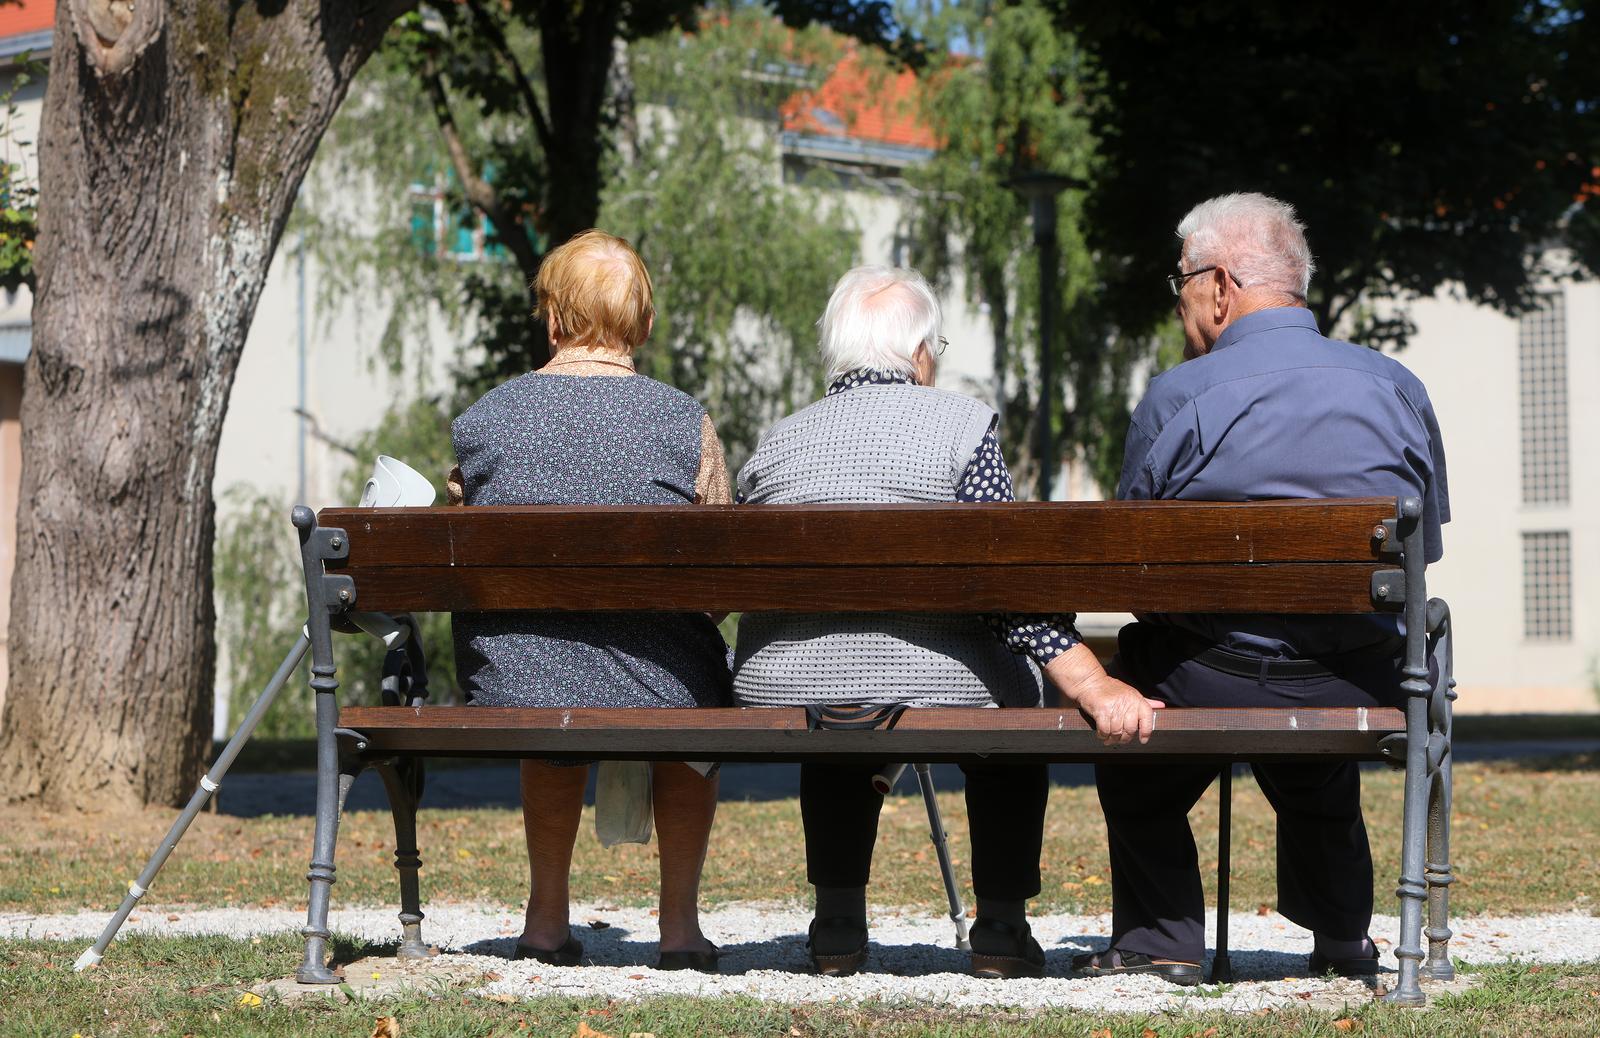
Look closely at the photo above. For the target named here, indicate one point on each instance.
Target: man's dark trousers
(1324, 861)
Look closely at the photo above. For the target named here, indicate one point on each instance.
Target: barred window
(1542, 369)
(1547, 586)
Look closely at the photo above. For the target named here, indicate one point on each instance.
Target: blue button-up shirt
(1275, 410)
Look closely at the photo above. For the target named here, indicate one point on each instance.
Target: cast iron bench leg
(1438, 966)
(333, 784)
(1412, 890)
(402, 779)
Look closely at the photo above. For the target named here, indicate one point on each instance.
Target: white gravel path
(914, 958)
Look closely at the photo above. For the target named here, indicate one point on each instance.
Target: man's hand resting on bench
(1118, 711)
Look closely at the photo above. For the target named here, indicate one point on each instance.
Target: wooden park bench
(1298, 557)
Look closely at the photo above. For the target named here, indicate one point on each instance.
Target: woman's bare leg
(552, 803)
(685, 806)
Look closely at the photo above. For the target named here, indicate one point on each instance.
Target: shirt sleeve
(1043, 637)
(1136, 483)
(711, 482)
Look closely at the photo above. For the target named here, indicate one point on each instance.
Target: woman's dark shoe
(838, 945)
(1361, 966)
(702, 961)
(569, 954)
(1000, 951)
(1114, 962)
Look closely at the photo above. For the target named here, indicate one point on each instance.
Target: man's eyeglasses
(1177, 281)
(940, 346)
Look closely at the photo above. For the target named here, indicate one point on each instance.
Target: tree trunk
(175, 137)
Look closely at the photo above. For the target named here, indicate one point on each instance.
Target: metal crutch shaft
(941, 848)
(209, 784)
(1221, 967)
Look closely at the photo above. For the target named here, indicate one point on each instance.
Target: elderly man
(1264, 406)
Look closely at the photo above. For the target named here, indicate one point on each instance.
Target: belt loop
(1261, 676)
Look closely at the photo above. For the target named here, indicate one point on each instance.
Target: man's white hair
(876, 318)
(1257, 238)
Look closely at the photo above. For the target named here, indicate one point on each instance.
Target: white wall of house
(1468, 356)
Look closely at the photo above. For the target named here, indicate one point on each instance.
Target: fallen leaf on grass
(490, 977)
(504, 1000)
(385, 1027)
(172, 918)
(641, 1034)
(585, 1031)
(1069, 885)
(1148, 1033)
(636, 976)
(250, 1000)
(1345, 1024)
(1092, 881)
(1104, 1032)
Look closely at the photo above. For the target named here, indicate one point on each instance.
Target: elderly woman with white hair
(884, 434)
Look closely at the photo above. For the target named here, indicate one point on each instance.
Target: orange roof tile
(862, 103)
(28, 16)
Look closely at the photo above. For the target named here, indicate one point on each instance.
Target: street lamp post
(1040, 190)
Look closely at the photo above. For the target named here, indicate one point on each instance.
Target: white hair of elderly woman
(876, 318)
(1257, 238)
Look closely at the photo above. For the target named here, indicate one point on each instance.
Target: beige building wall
(1468, 356)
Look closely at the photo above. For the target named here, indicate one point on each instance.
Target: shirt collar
(868, 377)
(591, 355)
(1265, 320)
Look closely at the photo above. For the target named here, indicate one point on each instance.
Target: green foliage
(694, 177)
(1439, 145)
(1008, 93)
(19, 193)
(741, 262)
(260, 596)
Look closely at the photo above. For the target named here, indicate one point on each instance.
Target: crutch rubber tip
(87, 960)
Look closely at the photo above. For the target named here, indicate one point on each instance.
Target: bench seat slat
(1217, 588)
(934, 735)
(1134, 532)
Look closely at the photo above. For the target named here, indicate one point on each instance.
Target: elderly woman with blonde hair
(587, 429)
(884, 434)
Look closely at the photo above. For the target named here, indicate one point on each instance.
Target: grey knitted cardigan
(546, 439)
(874, 444)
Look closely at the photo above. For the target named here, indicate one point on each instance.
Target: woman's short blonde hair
(596, 290)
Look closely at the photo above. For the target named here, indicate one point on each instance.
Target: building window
(1547, 586)
(1542, 369)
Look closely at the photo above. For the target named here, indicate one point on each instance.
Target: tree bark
(175, 137)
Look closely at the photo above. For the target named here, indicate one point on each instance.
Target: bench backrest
(1320, 556)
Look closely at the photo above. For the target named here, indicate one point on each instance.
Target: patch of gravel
(913, 955)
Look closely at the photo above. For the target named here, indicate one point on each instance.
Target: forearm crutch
(941, 847)
(209, 784)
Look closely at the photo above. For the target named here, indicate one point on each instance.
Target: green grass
(192, 986)
(1527, 839)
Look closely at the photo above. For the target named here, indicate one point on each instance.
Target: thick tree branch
(497, 36)
(480, 193)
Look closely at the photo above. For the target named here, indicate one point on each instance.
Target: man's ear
(1220, 304)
